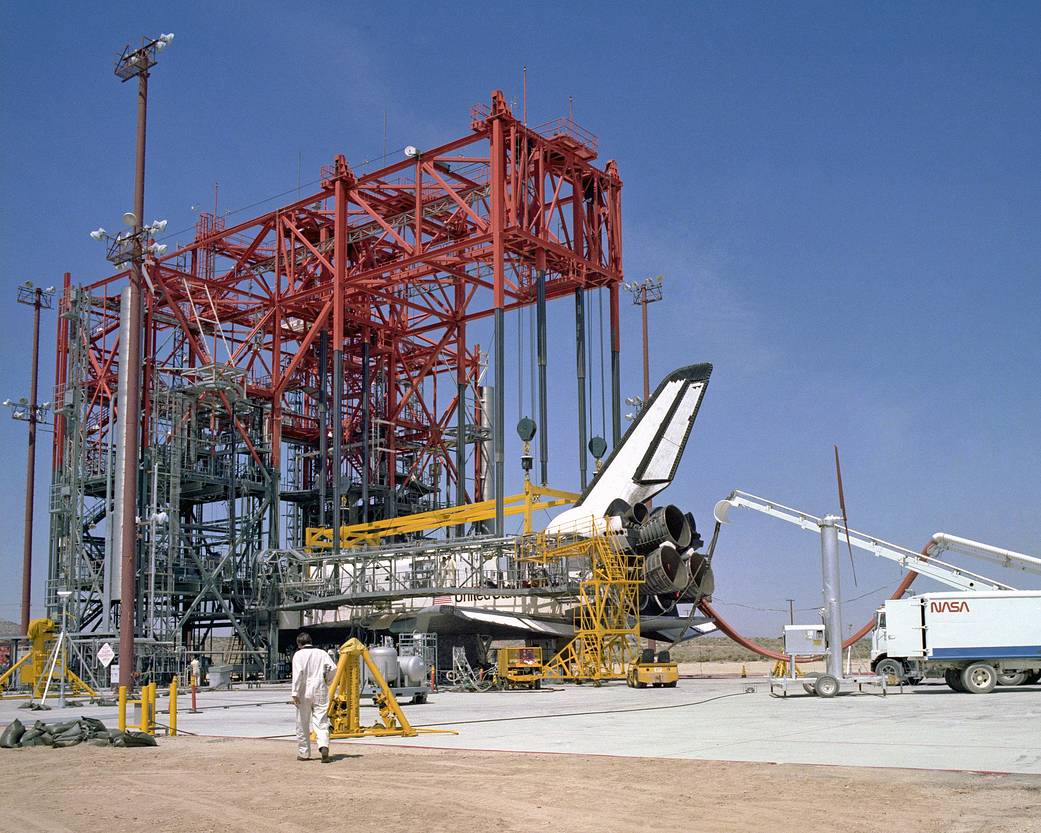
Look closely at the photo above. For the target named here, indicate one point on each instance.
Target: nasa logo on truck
(947, 606)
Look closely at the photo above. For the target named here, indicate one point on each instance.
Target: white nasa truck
(977, 639)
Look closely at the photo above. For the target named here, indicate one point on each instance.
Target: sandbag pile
(70, 733)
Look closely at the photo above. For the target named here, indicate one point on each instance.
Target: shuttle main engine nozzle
(661, 568)
(666, 525)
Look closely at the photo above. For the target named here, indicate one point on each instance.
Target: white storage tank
(385, 658)
(413, 669)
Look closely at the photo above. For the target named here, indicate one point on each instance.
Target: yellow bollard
(151, 708)
(142, 725)
(173, 706)
(122, 708)
(744, 672)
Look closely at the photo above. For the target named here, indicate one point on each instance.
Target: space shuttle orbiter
(645, 461)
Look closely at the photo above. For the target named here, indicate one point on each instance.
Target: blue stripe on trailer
(995, 652)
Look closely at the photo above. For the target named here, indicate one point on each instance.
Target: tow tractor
(519, 667)
(648, 670)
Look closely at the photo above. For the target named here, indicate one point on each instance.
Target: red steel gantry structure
(350, 308)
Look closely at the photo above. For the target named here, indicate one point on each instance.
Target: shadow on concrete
(936, 689)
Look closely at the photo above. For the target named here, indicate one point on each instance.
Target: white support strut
(929, 566)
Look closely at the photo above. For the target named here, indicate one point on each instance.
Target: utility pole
(31, 412)
(645, 292)
(791, 611)
(133, 63)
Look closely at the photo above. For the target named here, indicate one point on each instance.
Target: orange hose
(751, 645)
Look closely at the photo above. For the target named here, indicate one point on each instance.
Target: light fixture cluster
(21, 410)
(122, 245)
(138, 61)
(647, 290)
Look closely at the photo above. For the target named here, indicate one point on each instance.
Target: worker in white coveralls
(313, 671)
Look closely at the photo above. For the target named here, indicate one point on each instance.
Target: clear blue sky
(845, 202)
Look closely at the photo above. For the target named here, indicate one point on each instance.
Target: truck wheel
(809, 689)
(826, 686)
(1012, 677)
(1032, 678)
(952, 676)
(979, 678)
(892, 669)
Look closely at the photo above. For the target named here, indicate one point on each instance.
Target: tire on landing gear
(979, 678)
(826, 686)
(952, 676)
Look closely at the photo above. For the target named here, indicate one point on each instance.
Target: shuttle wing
(645, 461)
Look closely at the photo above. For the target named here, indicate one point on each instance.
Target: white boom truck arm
(926, 565)
(956, 633)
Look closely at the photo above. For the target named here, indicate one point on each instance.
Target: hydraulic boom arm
(949, 574)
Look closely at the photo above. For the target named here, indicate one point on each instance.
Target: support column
(616, 381)
(498, 417)
(540, 338)
(275, 455)
(580, 366)
(323, 421)
(339, 273)
(460, 402)
(366, 383)
(498, 194)
(832, 593)
(391, 504)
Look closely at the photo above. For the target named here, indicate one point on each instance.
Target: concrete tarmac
(926, 727)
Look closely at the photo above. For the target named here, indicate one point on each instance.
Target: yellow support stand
(607, 634)
(33, 667)
(781, 669)
(345, 699)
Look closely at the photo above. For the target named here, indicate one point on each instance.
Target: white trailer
(976, 639)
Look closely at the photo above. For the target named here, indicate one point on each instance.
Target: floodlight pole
(132, 63)
(646, 292)
(37, 302)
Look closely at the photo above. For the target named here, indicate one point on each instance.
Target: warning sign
(106, 654)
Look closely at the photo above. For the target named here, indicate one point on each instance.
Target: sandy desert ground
(207, 785)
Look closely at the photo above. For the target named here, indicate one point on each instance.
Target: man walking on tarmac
(312, 673)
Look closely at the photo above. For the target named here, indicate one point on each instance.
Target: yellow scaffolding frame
(523, 503)
(607, 633)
